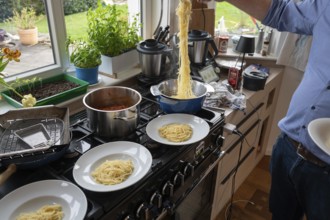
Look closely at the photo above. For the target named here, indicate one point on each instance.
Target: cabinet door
(230, 164)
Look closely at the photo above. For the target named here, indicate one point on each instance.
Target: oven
(179, 184)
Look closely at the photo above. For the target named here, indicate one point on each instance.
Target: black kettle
(198, 47)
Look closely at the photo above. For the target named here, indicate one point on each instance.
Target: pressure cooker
(152, 57)
(198, 47)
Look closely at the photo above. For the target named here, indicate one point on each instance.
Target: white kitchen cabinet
(255, 124)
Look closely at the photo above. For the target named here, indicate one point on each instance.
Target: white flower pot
(114, 65)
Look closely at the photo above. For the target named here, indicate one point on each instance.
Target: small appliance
(198, 47)
(152, 57)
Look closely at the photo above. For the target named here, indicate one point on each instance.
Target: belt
(306, 154)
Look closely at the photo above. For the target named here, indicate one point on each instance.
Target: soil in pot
(48, 89)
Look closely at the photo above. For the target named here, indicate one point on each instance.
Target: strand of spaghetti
(184, 86)
(113, 172)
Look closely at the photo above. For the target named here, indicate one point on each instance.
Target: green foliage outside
(77, 23)
(236, 21)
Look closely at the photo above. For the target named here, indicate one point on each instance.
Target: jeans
(298, 187)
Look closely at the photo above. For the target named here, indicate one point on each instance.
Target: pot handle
(169, 54)
(155, 90)
(211, 42)
(11, 169)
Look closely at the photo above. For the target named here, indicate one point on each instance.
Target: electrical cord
(236, 201)
(241, 136)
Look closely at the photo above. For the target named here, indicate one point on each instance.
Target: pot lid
(151, 46)
(256, 74)
(197, 35)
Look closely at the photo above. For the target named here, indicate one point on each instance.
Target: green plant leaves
(110, 30)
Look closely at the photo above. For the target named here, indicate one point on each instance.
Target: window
(47, 55)
(236, 21)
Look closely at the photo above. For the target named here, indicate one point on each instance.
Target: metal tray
(50, 123)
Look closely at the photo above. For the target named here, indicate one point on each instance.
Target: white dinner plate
(319, 131)
(200, 127)
(31, 197)
(119, 150)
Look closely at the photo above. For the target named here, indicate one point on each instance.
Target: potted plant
(86, 58)
(37, 91)
(25, 21)
(112, 33)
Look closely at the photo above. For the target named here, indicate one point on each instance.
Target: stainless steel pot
(152, 57)
(113, 123)
(166, 89)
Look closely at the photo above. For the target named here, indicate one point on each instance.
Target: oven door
(197, 204)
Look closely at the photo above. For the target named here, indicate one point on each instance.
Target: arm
(256, 8)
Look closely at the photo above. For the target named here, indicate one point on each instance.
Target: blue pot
(89, 75)
(164, 90)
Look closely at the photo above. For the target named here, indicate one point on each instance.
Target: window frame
(57, 30)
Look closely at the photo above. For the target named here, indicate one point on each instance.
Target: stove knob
(168, 189)
(189, 170)
(129, 217)
(178, 179)
(143, 212)
(156, 199)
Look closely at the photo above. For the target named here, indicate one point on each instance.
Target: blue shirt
(311, 100)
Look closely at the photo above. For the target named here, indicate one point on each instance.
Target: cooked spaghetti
(47, 212)
(113, 172)
(184, 85)
(176, 132)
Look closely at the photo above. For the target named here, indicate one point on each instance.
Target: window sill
(76, 103)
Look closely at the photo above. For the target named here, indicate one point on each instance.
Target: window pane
(25, 26)
(236, 21)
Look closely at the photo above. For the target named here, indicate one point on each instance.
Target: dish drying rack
(34, 130)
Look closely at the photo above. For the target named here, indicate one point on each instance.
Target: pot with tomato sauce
(113, 111)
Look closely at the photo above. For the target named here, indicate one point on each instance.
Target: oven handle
(169, 210)
(220, 155)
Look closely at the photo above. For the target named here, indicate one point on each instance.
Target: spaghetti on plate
(113, 172)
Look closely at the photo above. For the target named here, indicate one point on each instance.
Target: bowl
(166, 89)
(319, 131)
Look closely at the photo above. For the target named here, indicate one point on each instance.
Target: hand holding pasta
(176, 132)
(113, 172)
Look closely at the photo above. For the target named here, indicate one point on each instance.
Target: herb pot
(166, 89)
(112, 111)
(89, 75)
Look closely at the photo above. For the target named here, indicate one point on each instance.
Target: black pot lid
(151, 46)
(197, 35)
(256, 74)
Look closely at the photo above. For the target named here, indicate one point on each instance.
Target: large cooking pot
(112, 111)
(166, 89)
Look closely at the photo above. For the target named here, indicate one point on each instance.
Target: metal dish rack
(54, 119)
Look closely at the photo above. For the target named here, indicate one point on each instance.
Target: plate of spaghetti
(47, 199)
(112, 166)
(177, 129)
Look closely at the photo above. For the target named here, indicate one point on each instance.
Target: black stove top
(83, 139)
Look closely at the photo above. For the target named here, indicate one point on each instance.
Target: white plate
(122, 150)
(319, 131)
(33, 196)
(200, 127)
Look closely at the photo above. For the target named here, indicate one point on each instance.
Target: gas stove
(175, 171)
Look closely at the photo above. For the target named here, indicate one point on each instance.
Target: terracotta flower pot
(28, 36)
